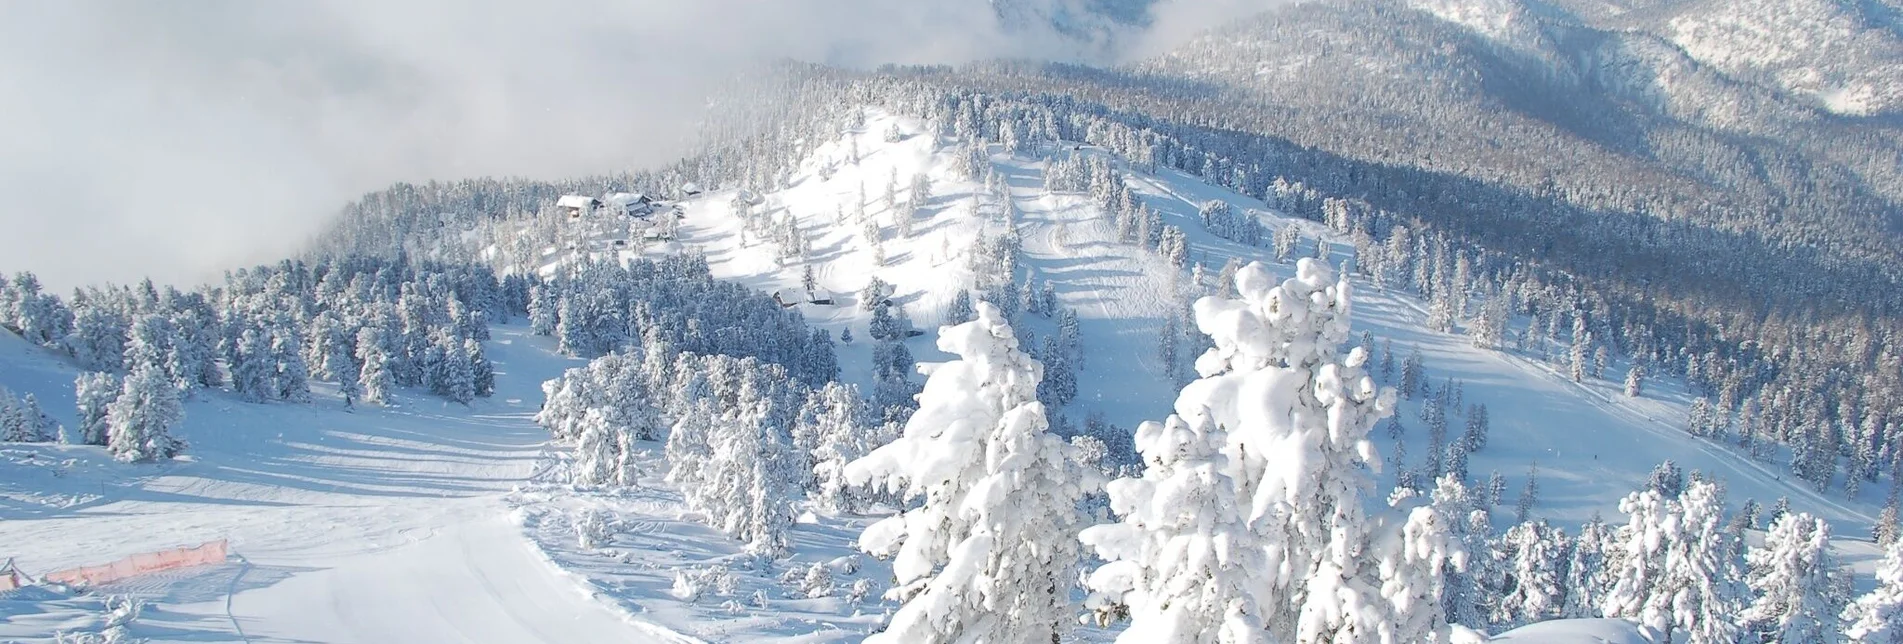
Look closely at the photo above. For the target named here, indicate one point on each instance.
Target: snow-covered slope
(1846, 59)
(1591, 444)
(378, 525)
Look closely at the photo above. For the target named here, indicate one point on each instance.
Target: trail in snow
(382, 525)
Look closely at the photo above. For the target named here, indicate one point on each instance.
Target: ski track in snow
(381, 525)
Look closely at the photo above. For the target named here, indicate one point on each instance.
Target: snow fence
(212, 552)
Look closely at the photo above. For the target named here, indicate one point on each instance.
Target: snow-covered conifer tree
(482, 372)
(293, 379)
(142, 417)
(1877, 616)
(960, 310)
(1534, 589)
(990, 554)
(1529, 495)
(1801, 590)
(1675, 570)
(93, 393)
(35, 425)
(1586, 581)
(1182, 562)
(1298, 416)
(597, 451)
(373, 377)
(838, 437)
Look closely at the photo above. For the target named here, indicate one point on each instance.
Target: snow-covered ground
(1592, 445)
(407, 524)
(378, 525)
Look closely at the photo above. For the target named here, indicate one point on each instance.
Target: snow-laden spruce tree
(834, 431)
(1534, 592)
(1801, 590)
(142, 417)
(1674, 568)
(1298, 416)
(597, 450)
(1423, 560)
(1181, 563)
(1877, 616)
(990, 553)
(753, 465)
(1586, 578)
(93, 395)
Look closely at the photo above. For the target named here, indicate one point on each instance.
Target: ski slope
(1591, 444)
(378, 525)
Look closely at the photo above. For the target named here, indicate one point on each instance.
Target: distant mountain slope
(1841, 55)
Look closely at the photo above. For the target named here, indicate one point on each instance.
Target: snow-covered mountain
(1603, 251)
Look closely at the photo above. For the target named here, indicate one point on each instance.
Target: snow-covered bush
(691, 584)
(807, 582)
(594, 528)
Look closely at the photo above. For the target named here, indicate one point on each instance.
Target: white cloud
(179, 139)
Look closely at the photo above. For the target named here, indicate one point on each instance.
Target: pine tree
(1586, 570)
(374, 375)
(1413, 372)
(1166, 347)
(1182, 561)
(1059, 385)
(1468, 588)
(1675, 570)
(1877, 616)
(252, 368)
(752, 467)
(94, 392)
(1634, 381)
(990, 554)
(142, 417)
(1581, 349)
(1534, 590)
(597, 452)
(1801, 590)
(1528, 495)
(960, 310)
(35, 425)
(1476, 433)
(293, 380)
(1698, 419)
(482, 372)
(1274, 360)
(834, 434)
(1886, 530)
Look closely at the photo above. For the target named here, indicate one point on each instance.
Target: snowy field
(429, 521)
(378, 525)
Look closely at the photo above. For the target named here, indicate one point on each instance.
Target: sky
(175, 140)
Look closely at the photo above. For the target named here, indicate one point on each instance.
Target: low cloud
(178, 139)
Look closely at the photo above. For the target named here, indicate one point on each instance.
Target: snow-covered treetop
(971, 394)
(1298, 323)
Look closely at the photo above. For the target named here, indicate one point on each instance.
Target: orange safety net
(143, 563)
